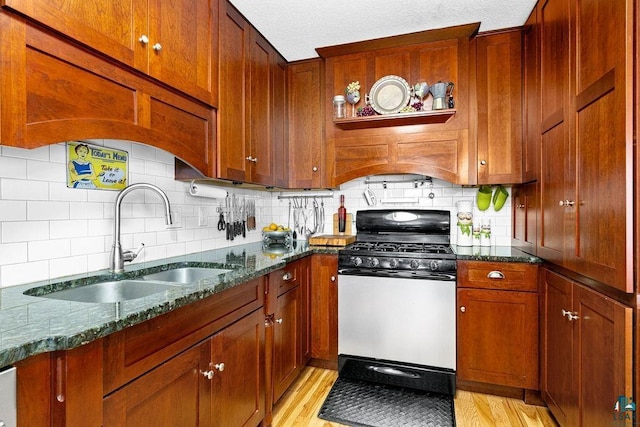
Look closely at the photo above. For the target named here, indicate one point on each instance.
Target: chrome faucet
(118, 257)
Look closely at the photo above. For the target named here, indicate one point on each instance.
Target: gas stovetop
(407, 243)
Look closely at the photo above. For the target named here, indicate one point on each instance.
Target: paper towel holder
(193, 190)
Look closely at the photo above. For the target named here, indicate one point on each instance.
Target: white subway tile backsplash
(13, 210)
(69, 229)
(24, 231)
(20, 189)
(13, 168)
(45, 210)
(39, 215)
(49, 249)
(46, 171)
(13, 253)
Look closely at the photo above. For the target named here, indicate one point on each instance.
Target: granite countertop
(30, 325)
(494, 254)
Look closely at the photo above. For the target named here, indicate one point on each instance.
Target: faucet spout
(118, 257)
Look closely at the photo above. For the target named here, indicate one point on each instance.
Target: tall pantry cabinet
(586, 96)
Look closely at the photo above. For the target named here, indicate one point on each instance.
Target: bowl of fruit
(276, 234)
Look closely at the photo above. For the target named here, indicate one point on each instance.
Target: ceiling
(296, 27)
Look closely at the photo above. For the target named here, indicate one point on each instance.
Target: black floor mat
(364, 404)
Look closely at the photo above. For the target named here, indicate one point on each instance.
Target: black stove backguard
(404, 225)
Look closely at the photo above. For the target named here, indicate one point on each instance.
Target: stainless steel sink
(185, 275)
(108, 292)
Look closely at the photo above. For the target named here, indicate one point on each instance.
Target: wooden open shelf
(398, 119)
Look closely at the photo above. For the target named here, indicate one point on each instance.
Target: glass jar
(339, 107)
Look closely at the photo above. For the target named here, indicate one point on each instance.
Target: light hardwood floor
(301, 403)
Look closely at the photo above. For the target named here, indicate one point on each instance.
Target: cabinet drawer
(498, 275)
(285, 279)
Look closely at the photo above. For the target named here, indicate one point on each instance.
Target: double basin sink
(129, 289)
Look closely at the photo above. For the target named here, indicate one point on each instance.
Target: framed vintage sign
(94, 167)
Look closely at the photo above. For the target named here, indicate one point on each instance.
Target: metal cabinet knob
(144, 40)
(570, 315)
(219, 366)
(315, 169)
(157, 47)
(279, 321)
(333, 278)
(287, 276)
(495, 274)
(520, 206)
(207, 374)
(463, 308)
(252, 159)
(483, 162)
(566, 203)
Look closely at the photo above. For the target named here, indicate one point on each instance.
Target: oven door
(398, 319)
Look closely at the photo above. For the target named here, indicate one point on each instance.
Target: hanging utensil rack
(417, 180)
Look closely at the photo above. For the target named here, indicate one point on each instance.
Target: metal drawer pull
(495, 274)
(287, 276)
(570, 315)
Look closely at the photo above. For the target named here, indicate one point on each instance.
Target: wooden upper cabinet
(604, 140)
(531, 98)
(279, 122)
(173, 42)
(390, 145)
(586, 189)
(499, 92)
(232, 110)
(245, 150)
(53, 90)
(305, 167)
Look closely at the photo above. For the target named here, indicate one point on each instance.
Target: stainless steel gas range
(396, 300)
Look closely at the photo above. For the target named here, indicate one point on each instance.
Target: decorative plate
(389, 95)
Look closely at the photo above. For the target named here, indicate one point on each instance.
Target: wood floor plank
(299, 406)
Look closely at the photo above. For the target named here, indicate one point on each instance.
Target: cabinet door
(259, 124)
(279, 122)
(499, 89)
(604, 141)
(556, 178)
(506, 320)
(286, 357)
(182, 45)
(531, 97)
(558, 385)
(175, 393)
(109, 27)
(324, 307)
(524, 220)
(603, 356)
(233, 91)
(238, 393)
(305, 116)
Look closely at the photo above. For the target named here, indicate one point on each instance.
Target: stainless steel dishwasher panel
(8, 406)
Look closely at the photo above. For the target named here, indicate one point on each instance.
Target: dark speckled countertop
(494, 254)
(30, 325)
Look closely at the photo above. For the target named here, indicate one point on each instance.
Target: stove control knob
(414, 264)
(356, 261)
(434, 265)
(393, 263)
(374, 262)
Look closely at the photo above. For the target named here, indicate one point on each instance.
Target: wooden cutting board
(332, 240)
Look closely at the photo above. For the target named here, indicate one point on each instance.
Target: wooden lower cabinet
(324, 309)
(176, 393)
(586, 353)
(219, 382)
(498, 324)
(287, 358)
(238, 389)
